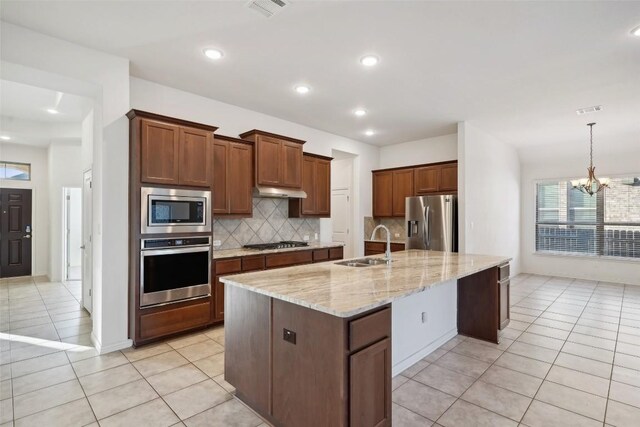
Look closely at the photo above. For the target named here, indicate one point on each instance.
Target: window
(605, 224)
(17, 171)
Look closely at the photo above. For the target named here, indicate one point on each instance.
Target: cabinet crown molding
(153, 116)
(273, 135)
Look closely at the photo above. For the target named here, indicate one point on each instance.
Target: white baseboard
(399, 367)
(111, 347)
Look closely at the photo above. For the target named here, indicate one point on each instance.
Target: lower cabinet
(159, 321)
(370, 379)
(377, 248)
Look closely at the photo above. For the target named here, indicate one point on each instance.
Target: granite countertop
(232, 253)
(346, 291)
(402, 242)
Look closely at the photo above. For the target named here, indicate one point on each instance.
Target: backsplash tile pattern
(270, 223)
(395, 225)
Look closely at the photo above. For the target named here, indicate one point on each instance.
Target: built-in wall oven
(172, 210)
(174, 269)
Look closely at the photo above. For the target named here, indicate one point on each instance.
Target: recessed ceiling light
(636, 31)
(213, 53)
(5, 137)
(302, 89)
(369, 132)
(360, 112)
(52, 111)
(369, 60)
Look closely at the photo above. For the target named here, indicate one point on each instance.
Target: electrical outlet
(315, 236)
(305, 237)
(397, 234)
(217, 243)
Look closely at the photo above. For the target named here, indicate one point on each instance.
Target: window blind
(605, 224)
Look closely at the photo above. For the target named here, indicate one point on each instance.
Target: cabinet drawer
(503, 272)
(336, 253)
(253, 263)
(320, 255)
(174, 320)
(374, 247)
(369, 329)
(228, 266)
(395, 247)
(288, 258)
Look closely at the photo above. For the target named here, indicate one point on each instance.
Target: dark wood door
(427, 179)
(240, 182)
(220, 195)
(370, 394)
(159, 152)
(309, 185)
(291, 165)
(323, 187)
(195, 157)
(402, 188)
(15, 232)
(382, 194)
(269, 161)
(449, 178)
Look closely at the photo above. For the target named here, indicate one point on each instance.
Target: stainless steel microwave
(171, 210)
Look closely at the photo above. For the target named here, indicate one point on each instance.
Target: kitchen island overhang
(312, 345)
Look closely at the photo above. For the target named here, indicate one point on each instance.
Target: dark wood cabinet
(370, 385)
(178, 155)
(377, 248)
(278, 159)
(448, 177)
(316, 182)
(232, 176)
(382, 194)
(159, 152)
(402, 188)
(427, 179)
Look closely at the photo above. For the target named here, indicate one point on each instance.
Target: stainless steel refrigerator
(432, 223)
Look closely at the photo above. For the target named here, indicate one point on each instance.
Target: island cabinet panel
(316, 182)
(159, 152)
(196, 149)
(248, 347)
(370, 379)
(479, 305)
(314, 368)
(382, 194)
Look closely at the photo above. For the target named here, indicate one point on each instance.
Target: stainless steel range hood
(278, 193)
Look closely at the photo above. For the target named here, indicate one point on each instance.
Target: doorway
(87, 242)
(342, 211)
(15, 232)
(72, 214)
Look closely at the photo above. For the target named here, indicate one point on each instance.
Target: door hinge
(90, 292)
(68, 197)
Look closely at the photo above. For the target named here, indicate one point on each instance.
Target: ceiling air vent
(588, 110)
(267, 8)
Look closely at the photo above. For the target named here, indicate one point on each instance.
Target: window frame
(599, 224)
(3, 165)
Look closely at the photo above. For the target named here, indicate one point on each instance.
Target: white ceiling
(31, 103)
(518, 70)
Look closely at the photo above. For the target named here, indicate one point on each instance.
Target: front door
(15, 232)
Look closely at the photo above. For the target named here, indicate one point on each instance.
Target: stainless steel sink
(363, 262)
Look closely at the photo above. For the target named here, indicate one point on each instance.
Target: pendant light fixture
(591, 185)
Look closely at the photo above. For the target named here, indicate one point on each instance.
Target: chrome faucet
(387, 253)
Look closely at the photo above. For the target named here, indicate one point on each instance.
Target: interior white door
(87, 243)
(73, 233)
(341, 219)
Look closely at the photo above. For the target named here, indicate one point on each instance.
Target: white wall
(428, 150)
(233, 120)
(37, 156)
(489, 195)
(65, 170)
(607, 164)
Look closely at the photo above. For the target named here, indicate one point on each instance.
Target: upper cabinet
(173, 151)
(316, 182)
(232, 176)
(278, 159)
(392, 186)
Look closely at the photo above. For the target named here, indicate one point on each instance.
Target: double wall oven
(174, 266)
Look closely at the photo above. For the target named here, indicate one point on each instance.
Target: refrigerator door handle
(426, 230)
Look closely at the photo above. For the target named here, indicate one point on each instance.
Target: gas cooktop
(277, 245)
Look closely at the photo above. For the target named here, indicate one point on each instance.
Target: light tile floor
(570, 357)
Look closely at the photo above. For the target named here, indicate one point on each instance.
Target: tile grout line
(613, 362)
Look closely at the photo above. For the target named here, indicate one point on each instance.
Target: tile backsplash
(270, 223)
(395, 225)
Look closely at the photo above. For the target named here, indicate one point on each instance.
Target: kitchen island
(312, 345)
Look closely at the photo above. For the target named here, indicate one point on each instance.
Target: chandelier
(590, 185)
